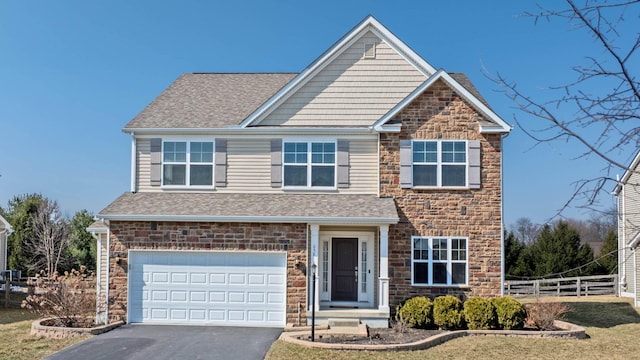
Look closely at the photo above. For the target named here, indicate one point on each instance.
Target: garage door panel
(219, 288)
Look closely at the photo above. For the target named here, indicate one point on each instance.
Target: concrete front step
(343, 322)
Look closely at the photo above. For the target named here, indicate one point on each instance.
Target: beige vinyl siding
(143, 166)
(249, 166)
(101, 290)
(351, 90)
(3, 246)
(631, 225)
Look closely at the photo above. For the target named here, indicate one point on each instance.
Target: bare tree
(525, 230)
(604, 99)
(50, 239)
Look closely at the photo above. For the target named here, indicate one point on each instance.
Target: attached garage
(241, 288)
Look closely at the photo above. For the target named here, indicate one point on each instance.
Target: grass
(16, 342)
(612, 325)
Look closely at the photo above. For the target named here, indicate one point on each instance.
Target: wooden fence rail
(573, 286)
(16, 298)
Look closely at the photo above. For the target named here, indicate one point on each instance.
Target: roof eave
(252, 130)
(258, 219)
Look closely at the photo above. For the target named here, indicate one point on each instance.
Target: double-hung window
(439, 163)
(439, 261)
(187, 163)
(309, 164)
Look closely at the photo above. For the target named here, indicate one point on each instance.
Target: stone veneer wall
(439, 113)
(206, 236)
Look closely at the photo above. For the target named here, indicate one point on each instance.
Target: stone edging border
(569, 330)
(61, 332)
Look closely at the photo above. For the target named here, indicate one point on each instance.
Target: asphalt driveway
(146, 342)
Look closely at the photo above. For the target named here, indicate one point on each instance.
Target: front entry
(344, 265)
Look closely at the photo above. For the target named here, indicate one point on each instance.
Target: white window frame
(439, 163)
(309, 165)
(188, 163)
(430, 261)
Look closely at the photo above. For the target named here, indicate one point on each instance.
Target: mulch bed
(380, 336)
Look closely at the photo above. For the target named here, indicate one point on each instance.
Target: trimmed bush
(480, 314)
(416, 312)
(511, 314)
(448, 313)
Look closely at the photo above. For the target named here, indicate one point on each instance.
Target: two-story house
(370, 169)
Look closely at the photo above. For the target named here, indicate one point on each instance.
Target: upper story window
(187, 163)
(309, 164)
(439, 163)
(439, 261)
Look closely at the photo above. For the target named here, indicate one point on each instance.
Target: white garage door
(207, 287)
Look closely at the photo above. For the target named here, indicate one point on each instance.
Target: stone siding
(127, 236)
(439, 113)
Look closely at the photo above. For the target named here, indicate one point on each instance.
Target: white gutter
(249, 130)
(262, 219)
(134, 156)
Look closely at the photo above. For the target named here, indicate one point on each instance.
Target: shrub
(448, 313)
(541, 315)
(480, 314)
(69, 299)
(416, 312)
(510, 313)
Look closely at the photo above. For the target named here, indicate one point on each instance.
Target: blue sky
(73, 73)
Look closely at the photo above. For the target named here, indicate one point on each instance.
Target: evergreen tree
(609, 253)
(513, 249)
(19, 214)
(82, 248)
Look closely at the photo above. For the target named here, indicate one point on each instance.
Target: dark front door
(344, 269)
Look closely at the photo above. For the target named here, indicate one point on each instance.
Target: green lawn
(612, 325)
(16, 342)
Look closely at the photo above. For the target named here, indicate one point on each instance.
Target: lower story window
(439, 261)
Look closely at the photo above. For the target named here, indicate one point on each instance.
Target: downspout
(108, 247)
(502, 261)
(133, 162)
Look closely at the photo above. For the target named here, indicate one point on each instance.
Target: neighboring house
(5, 230)
(370, 166)
(628, 193)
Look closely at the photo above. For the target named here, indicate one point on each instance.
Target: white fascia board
(6, 225)
(328, 56)
(627, 174)
(501, 127)
(256, 219)
(97, 230)
(147, 132)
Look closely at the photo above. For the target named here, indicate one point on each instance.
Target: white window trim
(439, 164)
(188, 164)
(309, 164)
(449, 261)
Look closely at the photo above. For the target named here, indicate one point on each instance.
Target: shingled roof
(209, 100)
(218, 100)
(242, 207)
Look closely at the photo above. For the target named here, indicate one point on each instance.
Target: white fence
(574, 286)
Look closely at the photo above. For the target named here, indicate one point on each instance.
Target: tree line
(561, 249)
(43, 239)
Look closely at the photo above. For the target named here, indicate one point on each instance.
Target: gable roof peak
(369, 23)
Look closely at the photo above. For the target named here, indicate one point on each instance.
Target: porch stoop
(351, 318)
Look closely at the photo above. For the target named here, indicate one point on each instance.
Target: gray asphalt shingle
(209, 100)
(258, 206)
